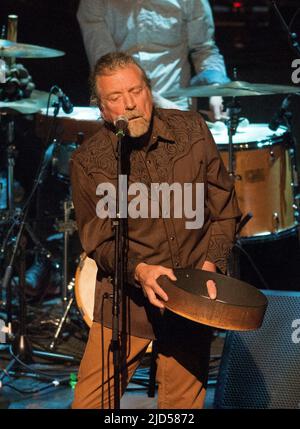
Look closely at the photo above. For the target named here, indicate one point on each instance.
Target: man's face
(124, 92)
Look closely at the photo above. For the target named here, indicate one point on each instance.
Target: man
(161, 146)
(170, 39)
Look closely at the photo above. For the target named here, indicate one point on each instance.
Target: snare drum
(83, 120)
(263, 168)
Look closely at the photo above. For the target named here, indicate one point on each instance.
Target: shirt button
(177, 264)
(172, 237)
(149, 161)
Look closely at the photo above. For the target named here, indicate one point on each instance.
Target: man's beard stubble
(137, 124)
(138, 127)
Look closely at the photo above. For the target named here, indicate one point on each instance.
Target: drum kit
(60, 134)
(263, 161)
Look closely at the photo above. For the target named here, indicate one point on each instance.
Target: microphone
(278, 118)
(66, 104)
(121, 124)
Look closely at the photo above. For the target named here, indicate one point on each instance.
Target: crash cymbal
(27, 106)
(233, 89)
(10, 49)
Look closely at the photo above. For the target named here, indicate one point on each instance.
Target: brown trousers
(182, 367)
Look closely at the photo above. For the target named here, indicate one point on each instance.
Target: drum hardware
(64, 316)
(67, 227)
(272, 156)
(275, 220)
(22, 347)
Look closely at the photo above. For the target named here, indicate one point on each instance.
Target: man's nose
(129, 101)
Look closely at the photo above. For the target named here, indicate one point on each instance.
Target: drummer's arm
(96, 36)
(207, 60)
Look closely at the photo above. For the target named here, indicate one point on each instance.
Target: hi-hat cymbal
(10, 49)
(232, 89)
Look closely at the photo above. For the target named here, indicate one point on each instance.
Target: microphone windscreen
(121, 123)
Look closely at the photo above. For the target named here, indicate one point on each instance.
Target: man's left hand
(216, 109)
(210, 284)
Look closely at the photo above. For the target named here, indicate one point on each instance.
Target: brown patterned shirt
(180, 149)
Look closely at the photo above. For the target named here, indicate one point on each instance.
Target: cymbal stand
(68, 227)
(232, 122)
(11, 153)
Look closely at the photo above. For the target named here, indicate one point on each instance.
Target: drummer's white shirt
(160, 34)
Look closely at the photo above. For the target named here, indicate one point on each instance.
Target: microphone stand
(292, 37)
(118, 285)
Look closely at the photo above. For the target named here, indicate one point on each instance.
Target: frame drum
(264, 181)
(85, 281)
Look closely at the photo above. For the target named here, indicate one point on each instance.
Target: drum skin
(85, 283)
(238, 306)
(77, 126)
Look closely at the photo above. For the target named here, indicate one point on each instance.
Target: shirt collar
(160, 130)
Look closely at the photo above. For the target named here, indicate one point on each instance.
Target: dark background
(249, 36)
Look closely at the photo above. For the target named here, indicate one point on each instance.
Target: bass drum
(85, 280)
(263, 167)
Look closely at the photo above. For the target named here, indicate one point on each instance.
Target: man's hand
(216, 109)
(210, 284)
(147, 275)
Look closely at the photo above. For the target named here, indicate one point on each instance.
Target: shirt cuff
(132, 263)
(218, 252)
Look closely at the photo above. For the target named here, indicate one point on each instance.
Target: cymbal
(10, 49)
(232, 89)
(27, 106)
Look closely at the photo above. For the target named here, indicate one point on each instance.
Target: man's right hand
(147, 275)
